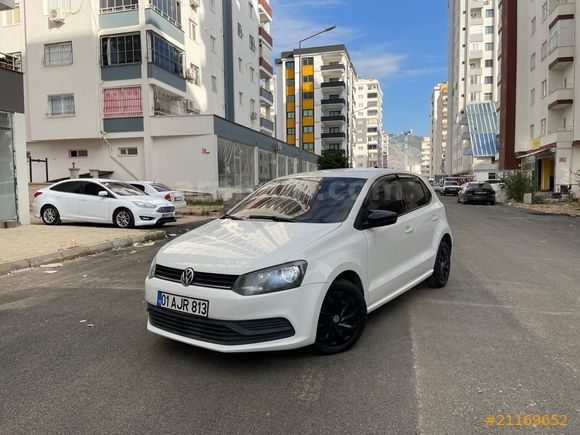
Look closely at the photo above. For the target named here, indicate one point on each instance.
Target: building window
(474, 80)
(290, 82)
(544, 88)
(252, 75)
(128, 151)
(165, 55)
(533, 25)
(241, 98)
(251, 9)
(308, 95)
(212, 43)
(308, 146)
(488, 80)
(73, 154)
(544, 11)
(334, 130)
(212, 5)
(61, 105)
(308, 129)
(235, 165)
(58, 54)
(196, 74)
(168, 9)
(291, 131)
(488, 30)
(121, 49)
(252, 43)
(107, 6)
(252, 105)
(533, 97)
(532, 132)
(122, 102)
(309, 113)
(489, 46)
(290, 98)
(240, 64)
(291, 115)
(63, 5)
(488, 96)
(544, 50)
(290, 65)
(489, 63)
(533, 62)
(11, 17)
(214, 86)
(543, 127)
(240, 31)
(474, 96)
(192, 30)
(308, 61)
(489, 13)
(308, 79)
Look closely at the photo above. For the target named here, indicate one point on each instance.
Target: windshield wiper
(232, 217)
(272, 218)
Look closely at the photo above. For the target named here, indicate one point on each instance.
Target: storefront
(541, 164)
(8, 201)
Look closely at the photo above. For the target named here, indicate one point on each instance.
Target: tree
(332, 160)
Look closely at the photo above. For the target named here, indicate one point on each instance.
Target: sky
(401, 43)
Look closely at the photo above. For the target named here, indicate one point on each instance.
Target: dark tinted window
(161, 187)
(69, 187)
(414, 193)
(122, 189)
(139, 186)
(386, 195)
(308, 199)
(92, 189)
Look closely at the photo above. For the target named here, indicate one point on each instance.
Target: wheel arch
(448, 240)
(352, 277)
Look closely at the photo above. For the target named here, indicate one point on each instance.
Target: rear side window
(415, 194)
(69, 187)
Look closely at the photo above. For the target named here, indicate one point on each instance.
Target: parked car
(495, 184)
(476, 192)
(160, 190)
(437, 188)
(450, 188)
(100, 201)
(300, 261)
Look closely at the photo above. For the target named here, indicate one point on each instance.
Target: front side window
(122, 102)
(92, 189)
(307, 199)
(386, 195)
(58, 54)
(121, 49)
(415, 194)
(61, 105)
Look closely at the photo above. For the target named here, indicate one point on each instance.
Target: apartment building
(14, 206)
(544, 120)
(322, 116)
(426, 158)
(150, 89)
(439, 126)
(368, 135)
(473, 78)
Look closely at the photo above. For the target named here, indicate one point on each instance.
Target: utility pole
(406, 149)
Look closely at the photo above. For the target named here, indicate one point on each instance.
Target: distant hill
(396, 147)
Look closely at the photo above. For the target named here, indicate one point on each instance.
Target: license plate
(168, 215)
(480, 193)
(197, 307)
(177, 199)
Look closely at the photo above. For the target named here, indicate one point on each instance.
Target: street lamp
(328, 29)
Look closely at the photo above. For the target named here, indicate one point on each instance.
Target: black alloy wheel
(342, 318)
(442, 267)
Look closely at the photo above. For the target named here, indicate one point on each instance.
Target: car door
(386, 246)
(95, 208)
(66, 197)
(421, 220)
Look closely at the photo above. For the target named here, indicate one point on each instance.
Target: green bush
(517, 184)
(332, 160)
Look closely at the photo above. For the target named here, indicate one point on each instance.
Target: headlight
(273, 279)
(152, 269)
(144, 204)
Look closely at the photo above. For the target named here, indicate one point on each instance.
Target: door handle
(408, 230)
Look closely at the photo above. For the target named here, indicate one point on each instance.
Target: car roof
(98, 180)
(366, 173)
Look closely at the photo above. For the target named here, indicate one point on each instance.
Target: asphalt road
(503, 337)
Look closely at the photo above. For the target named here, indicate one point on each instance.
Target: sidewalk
(564, 208)
(37, 244)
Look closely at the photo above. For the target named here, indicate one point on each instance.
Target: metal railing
(121, 8)
(555, 3)
(561, 88)
(11, 62)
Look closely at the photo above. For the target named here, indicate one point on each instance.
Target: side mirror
(103, 193)
(381, 218)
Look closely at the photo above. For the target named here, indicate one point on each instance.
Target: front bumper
(479, 198)
(144, 218)
(300, 307)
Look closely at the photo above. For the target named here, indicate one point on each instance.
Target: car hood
(236, 247)
(160, 202)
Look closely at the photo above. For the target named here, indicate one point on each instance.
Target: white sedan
(160, 190)
(100, 201)
(300, 261)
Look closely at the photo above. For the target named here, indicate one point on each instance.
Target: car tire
(492, 203)
(342, 318)
(442, 267)
(458, 198)
(50, 215)
(123, 218)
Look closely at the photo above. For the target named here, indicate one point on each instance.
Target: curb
(81, 251)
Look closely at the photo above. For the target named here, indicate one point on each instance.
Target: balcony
(266, 124)
(128, 6)
(333, 67)
(336, 135)
(478, 21)
(476, 37)
(476, 4)
(266, 68)
(11, 84)
(10, 62)
(557, 135)
(475, 54)
(265, 36)
(340, 101)
(265, 11)
(560, 98)
(266, 96)
(7, 4)
(333, 84)
(560, 7)
(161, 21)
(333, 118)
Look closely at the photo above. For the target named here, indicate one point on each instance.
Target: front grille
(202, 279)
(220, 331)
(166, 209)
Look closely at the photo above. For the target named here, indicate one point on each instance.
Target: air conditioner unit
(195, 3)
(190, 107)
(55, 15)
(254, 115)
(189, 76)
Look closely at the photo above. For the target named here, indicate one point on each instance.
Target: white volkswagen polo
(300, 261)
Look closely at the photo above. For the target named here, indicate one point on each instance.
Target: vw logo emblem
(187, 276)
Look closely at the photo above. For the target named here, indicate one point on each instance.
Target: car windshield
(304, 199)
(123, 189)
(161, 187)
(451, 183)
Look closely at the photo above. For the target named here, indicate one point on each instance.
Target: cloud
(378, 62)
